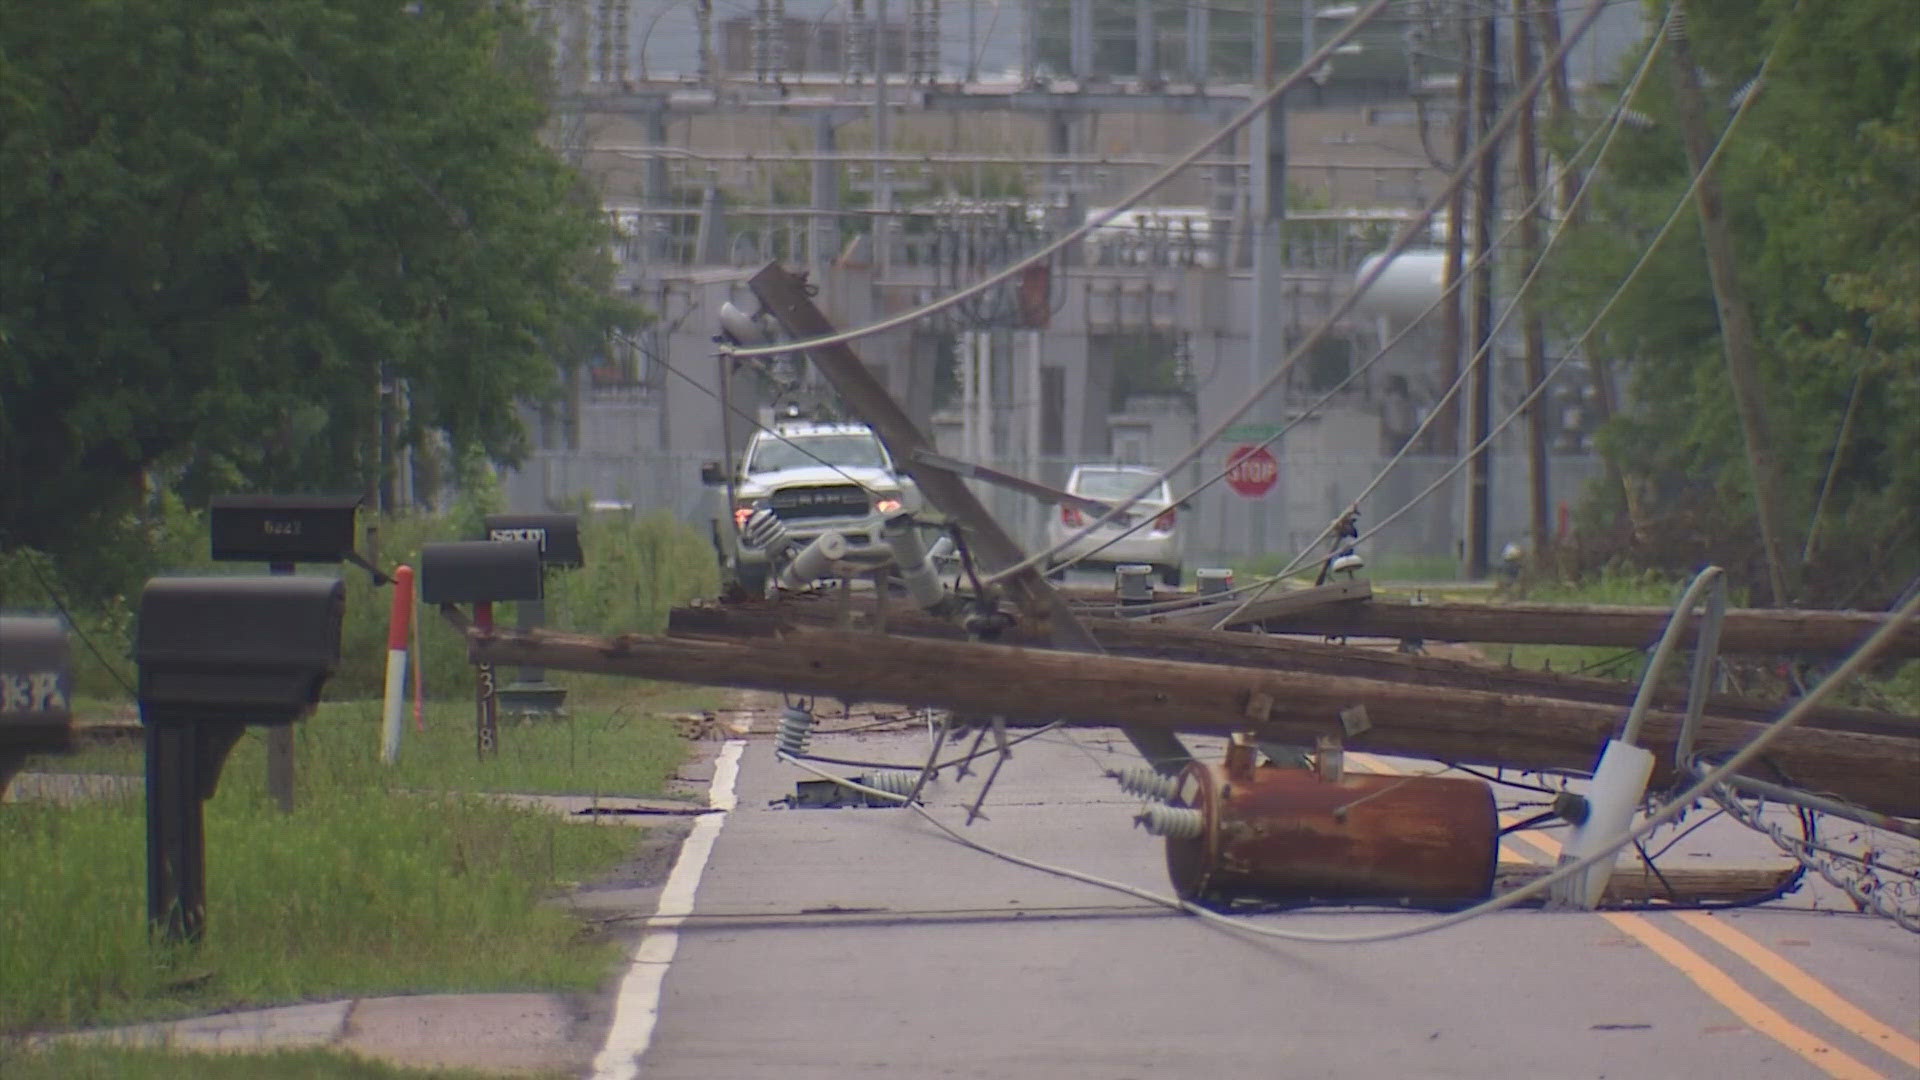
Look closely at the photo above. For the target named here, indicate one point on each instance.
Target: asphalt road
(835, 943)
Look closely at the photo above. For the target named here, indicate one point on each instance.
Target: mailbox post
(482, 573)
(36, 691)
(281, 530)
(215, 655)
(559, 538)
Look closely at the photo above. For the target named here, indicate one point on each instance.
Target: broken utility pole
(1736, 322)
(1164, 696)
(787, 297)
(1779, 632)
(1133, 637)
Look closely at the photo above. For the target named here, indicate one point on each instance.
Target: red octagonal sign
(1251, 470)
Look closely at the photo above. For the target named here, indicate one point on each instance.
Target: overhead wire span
(1612, 128)
(1254, 108)
(1401, 240)
(1860, 659)
(749, 417)
(1666, 229)
(1608, 128)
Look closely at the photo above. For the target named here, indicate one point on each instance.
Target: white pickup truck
(814, 477)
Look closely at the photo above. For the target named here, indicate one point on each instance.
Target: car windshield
(1116, 484)
(800, 451)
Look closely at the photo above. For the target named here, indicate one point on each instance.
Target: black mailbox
(282, 528)
(250, 650)
(480, 572)
(36, 691)
(557, 534)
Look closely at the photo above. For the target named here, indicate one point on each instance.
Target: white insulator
(814, 561)
(796, 730)
(764, 529)
(1174, 822)
(895, 781)
(910, 559)
(1146, 782)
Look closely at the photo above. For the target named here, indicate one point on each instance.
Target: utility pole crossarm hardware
(787, 297)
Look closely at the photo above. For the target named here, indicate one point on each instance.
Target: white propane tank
(1412, 282)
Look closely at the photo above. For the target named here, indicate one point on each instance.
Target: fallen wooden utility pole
(1132, 637)
(1782, 632)
(1633, 884)
(1464, 726)
(788, 297)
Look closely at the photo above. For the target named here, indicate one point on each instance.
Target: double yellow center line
(1721, 986)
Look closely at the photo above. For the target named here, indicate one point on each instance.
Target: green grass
(360, 892)
(1609, 588)
(383, 881)
(110, 1063)
(607, 745)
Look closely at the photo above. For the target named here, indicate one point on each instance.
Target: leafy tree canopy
(227, 220)
(1822, 188)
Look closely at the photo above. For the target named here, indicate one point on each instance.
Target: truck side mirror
(36, 691)
(712, 474)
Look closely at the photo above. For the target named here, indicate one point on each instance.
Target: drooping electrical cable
(1861, 658)
(1607, 128)
(1402, 239)
(1253, 109)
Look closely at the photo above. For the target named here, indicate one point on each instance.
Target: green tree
(1822, 186)
(229, 222)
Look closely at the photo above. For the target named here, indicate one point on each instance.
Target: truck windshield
(801, 451)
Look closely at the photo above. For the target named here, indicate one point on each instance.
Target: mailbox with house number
(36, 691)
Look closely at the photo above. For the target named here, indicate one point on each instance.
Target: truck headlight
(886, 504)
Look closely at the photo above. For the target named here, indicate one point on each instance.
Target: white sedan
(1158, 543)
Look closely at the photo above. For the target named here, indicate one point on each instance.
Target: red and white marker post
(399, 622)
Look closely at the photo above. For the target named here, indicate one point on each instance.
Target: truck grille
(840, 500)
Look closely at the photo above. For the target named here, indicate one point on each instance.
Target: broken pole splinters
(786, 296)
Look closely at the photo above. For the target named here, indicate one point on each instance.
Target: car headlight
(886, 504)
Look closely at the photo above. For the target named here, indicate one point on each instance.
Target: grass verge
(604, 745)
(111, 1063)
(383, 881)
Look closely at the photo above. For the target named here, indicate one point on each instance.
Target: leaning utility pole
(1267, 209)
(787, 297)
(1486, 107)
(1736, 325)
(1533, 332)
(1453, 333)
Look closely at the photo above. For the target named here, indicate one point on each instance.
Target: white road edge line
(636, 1006)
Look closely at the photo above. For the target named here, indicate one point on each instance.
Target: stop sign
(1251, 470)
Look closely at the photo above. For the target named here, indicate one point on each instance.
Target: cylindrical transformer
(1285, 835)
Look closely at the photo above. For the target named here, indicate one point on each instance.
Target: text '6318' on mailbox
(480, 572)
(557, 534)
(246, 650)
(282, 528)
